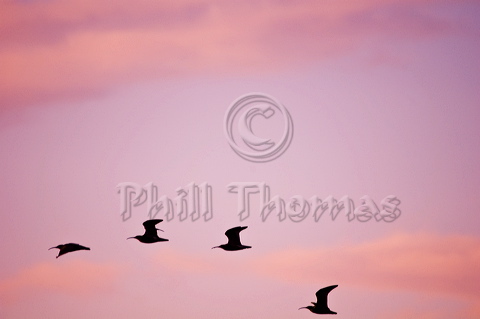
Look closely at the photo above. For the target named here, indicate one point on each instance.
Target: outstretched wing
(233, 235)
(150, 228)
(74, 247)
(322, 295)
(68, 248)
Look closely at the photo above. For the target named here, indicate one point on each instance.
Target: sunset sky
(384, 98)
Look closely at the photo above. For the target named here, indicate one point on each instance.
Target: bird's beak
(302, 308)
(51, 248)
(159, 229)
(216, 247)
(130, 237)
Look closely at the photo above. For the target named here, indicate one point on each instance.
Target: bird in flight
(67, 248)
(150, 236)
(234, 243)
(320, 307)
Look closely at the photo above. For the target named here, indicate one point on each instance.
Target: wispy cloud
(73, 277)
(51, 50)
(419, 262)
(217, 263)
(427, 263)
(184, 263)
(414, 313)
(436, 265)
(471, 311)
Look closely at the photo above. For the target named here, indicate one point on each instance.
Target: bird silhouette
(234, 243)
(150, 236)
(67, 248)
(320, 307)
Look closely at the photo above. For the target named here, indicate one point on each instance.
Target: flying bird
(67, 248)
(320, 307)
(234, 243)
(150, 236)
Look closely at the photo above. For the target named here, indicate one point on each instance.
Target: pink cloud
(73, 277)
(470, 311)
(218, 262)
(53, 50)
(181, 262)
(426, 263)
(409, 313)
(415, 313)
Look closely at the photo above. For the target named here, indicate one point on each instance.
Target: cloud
(184, 263)
(78, 278)
(207, 263)
(426, 263)
(473, 312)
(436, 265)
(53, 50)
(470, 311)
(417, 314)
(412, 313)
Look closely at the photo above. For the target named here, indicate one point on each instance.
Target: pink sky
(384, 99)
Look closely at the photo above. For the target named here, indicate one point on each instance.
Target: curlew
(234, 243)
(320, 307)
(67, 248)
(150, 236)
